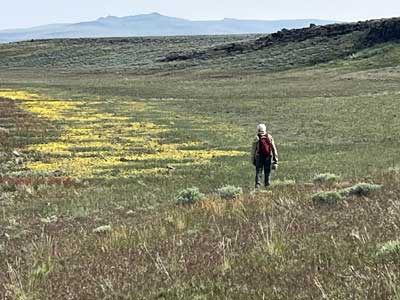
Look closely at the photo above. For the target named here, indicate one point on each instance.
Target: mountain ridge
(153, 24)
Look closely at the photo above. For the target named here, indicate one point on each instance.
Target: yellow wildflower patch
(94, 143)
(17, 95)
(50, 109)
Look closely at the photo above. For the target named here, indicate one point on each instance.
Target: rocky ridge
(366, 34)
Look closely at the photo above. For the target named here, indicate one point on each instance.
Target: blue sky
(25, 13)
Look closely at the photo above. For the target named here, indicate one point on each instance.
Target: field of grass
(109, 135)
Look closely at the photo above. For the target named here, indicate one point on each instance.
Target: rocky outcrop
(384, 31)
(370, 33)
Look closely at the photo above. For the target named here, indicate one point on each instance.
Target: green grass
(338, 117)
(327, 197)
(390, 248)
(361, 189)
(326, 178)
(189, 196)
(229, 192)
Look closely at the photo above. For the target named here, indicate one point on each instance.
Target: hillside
(151, 25)
(103, 143)
(343, 37)
(278, 51)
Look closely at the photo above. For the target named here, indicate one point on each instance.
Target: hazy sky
(23, 13)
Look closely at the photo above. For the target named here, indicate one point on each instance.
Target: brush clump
(390, 248)
(229, 192)
(360, 189)
(327, 197)
(189, 196)
(332, 197)
(326, 178)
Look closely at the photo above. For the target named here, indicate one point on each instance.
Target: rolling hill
(285, 49)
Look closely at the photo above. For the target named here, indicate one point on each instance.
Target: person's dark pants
(263, 163)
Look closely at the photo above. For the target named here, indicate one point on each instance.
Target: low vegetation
(361, 189)
(326, 178)
(390, 248)
(189, 196)
(229, 192)
(100, 140)
(327, 197)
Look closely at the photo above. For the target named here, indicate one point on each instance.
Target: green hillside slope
(282, 50)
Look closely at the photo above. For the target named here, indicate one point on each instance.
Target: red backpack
(264, 146)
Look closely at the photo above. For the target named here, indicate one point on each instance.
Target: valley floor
(88, 198)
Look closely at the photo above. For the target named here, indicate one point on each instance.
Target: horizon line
(156, 13)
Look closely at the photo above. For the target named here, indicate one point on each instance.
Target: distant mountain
(152, 25)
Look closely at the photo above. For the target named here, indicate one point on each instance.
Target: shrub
(102, 229)
(390, 248)
(189, 196)
(360, 189)
(332, 197)
(326, 178)
(229, 192)
(8, 188)
(326, 197)
(395, 170)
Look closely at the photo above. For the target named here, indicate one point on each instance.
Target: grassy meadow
(107, 135)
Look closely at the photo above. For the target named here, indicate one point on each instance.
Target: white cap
(262, 129)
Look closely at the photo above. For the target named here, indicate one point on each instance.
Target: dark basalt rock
(385, 31)
(375, 32)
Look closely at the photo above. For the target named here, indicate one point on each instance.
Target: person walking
(264, 155)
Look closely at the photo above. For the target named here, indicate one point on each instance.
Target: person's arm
(253, 153)
(274, 151)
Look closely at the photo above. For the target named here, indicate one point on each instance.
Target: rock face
(384, 31)
(378, 31)
(369, 33)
